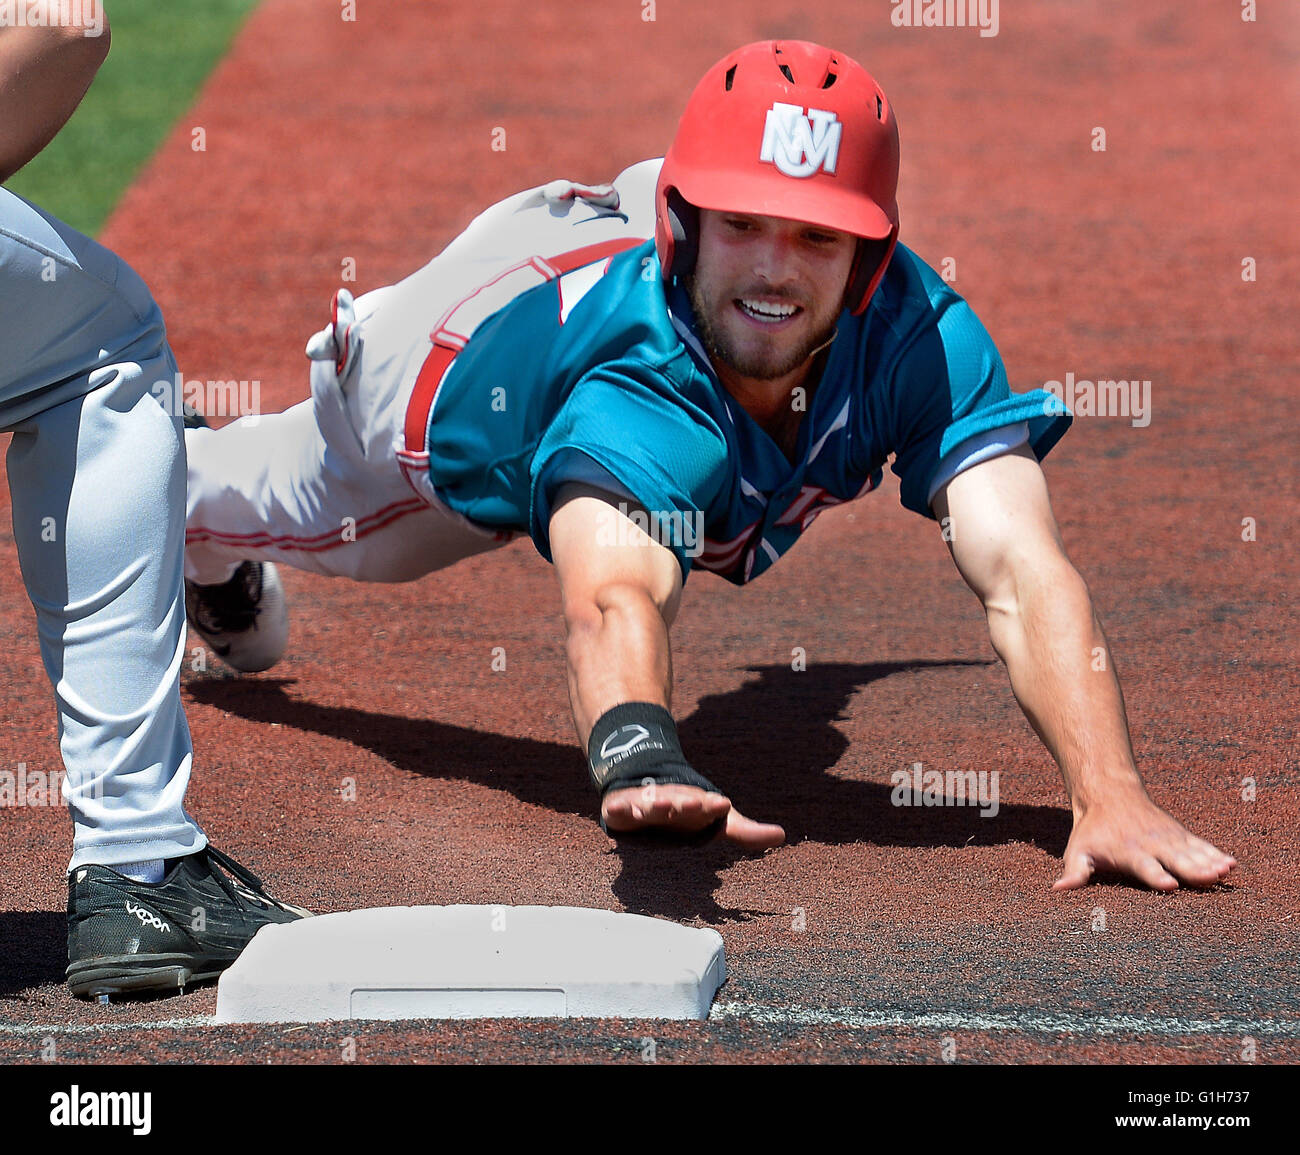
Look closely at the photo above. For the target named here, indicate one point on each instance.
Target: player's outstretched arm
(620, 592)
(1004, 540)
(44, 73)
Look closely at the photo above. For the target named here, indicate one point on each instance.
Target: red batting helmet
(785, 128)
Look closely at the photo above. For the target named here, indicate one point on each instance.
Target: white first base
(473, 962)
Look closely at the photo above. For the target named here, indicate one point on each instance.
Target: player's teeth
(767, 310)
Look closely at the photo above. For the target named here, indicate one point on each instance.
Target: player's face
(767, 292)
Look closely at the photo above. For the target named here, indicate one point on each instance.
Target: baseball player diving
(97, 474)
(729, 342)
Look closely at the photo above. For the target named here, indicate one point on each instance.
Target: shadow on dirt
(770, 743)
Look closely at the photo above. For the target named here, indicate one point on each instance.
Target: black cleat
(128, 937)
(244, 620)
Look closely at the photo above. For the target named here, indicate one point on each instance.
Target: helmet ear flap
(684, 223)
(868, 266)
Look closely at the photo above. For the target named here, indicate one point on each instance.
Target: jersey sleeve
(637, 438)
(946, 386)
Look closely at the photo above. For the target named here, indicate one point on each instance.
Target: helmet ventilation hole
(788, 74)
(830, 79)
(880, 108)
(731, 75)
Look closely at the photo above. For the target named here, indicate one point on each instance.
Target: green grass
(162, 52)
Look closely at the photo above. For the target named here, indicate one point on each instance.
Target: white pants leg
(98, 488)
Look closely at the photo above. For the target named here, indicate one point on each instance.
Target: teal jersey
(598, 376)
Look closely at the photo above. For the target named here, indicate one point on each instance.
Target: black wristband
(629, 741)
(636, 744)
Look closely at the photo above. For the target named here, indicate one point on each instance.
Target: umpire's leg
(98, 486)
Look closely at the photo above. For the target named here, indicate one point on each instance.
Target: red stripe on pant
(330, 539)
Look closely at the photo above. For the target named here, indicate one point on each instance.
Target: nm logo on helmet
(799, 144)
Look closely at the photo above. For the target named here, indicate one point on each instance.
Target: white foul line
(97, 1028)
(1028, 1022)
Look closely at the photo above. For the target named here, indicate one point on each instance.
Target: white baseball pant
(335, 484)
(96, 475)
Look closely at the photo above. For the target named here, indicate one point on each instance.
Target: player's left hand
(1132, 835)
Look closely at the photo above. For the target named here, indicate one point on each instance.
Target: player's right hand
(686, 808)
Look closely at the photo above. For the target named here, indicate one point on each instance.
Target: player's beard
(760, 365)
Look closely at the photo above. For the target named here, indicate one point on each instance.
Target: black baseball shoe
(128, 937)
(245, 620)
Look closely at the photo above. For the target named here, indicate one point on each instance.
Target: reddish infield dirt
(373, 141)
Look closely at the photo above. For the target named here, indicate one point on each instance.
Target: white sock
(151, 870)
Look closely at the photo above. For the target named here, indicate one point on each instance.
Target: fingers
(753, 835)
(685, 808)
(1149, 870)
(1173, 855)
(1198, 863)
(680, 807)
(1163, 855)
(1077, 872)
